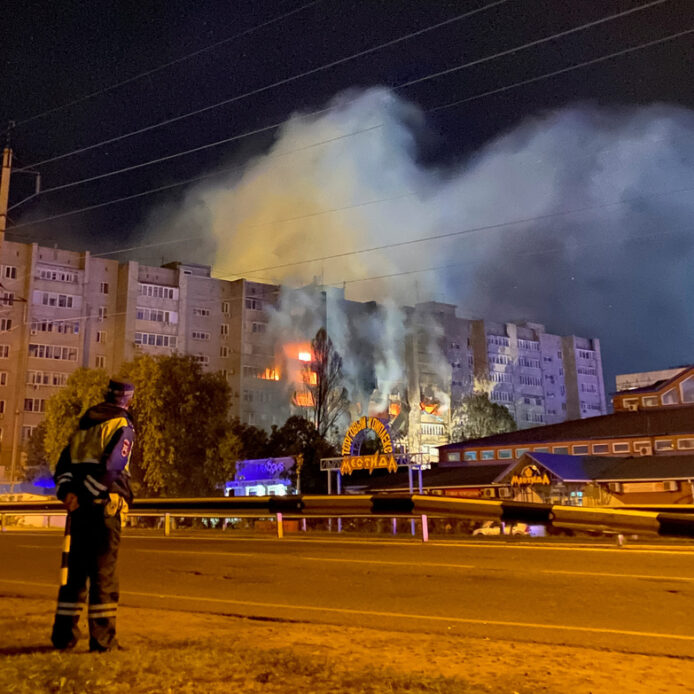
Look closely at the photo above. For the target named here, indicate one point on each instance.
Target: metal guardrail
(606, 519)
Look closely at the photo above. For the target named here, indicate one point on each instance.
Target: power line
(283, 81)
(169, 157)
(186, 181)
(176, 61)
(444, 106)
(462, 232)
(324, 110)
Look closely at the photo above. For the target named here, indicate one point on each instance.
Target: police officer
(92, 481)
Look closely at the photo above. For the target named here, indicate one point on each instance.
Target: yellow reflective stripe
(88, 445)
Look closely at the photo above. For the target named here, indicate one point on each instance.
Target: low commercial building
(666, 389)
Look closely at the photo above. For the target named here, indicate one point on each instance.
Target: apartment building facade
(61, 310)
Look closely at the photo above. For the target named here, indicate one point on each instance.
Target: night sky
(55, 51)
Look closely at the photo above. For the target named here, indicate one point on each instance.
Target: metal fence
(410, 506)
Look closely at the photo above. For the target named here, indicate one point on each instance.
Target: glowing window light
(270, 374)
(311, 378)
(393, 409)
(304, 356)
(303, 399)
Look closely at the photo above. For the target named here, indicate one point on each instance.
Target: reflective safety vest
(92, 445)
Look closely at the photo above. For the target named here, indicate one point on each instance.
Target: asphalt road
(637, 599)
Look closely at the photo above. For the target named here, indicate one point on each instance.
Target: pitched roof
(574, 468)
(650, 467)
(655, 422)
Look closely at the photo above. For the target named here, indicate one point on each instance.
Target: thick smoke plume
(606, 250)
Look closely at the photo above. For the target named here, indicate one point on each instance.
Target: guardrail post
(167, 524)
(425, 529)
(303, 524)
(395, 525)
(280, 527)
(2, 522)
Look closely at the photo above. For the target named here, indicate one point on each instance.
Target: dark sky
(56, 51)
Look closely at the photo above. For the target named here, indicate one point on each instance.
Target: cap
(120, 388)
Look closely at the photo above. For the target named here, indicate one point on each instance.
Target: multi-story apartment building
(60, 310)
(541, 378)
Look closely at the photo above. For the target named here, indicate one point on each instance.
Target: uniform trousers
(92, 560)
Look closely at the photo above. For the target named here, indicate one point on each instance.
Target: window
(201, 335)
(254, 304)
(7, 298)
(224, 329)
(4, 351)
(3, 378)
(34, 405)
(487, 455)
(685, 444)
(223, 351)
(521, 451)
(541, 449)
(529, 345)
(226, 308)
(155, 340)
(560, 450)
(530, 380)
(504, 454)
(585, 354)
(56, 274)
(600, 448)
(45, 378)
(621, 447)
(201, 312)
(202, 359)
(650, 401)
(687, 389)
(52, 352)
(501, 396)
(157, 291)
(100, 362)
(664, 445)
(102, 312)
(469, 455)
(453, 457)
(529, 363)
(9, 272)
(2, 407)
(65, 327)
(670, 398)
(5, 324)
(103, 287)
(27, 432)
(579, 450)
(56, 300)
(500, 377)
(259, 327)
(156, 315)
(101, 336)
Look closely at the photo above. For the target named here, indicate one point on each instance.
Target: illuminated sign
(368, 462)
(530, 475)
(350, 445)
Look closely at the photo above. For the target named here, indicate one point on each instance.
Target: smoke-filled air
(570, 210)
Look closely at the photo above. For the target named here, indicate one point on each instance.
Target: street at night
(636, 599)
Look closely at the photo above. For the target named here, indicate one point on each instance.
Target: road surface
(637, 599)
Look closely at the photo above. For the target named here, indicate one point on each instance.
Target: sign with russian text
(385, 461)
(350, 444)
(529, 475)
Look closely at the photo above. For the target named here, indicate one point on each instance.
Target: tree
(37, 465)
(185, 444)
(477, 416)
(299, 437)
(84, 389)
(323, 379)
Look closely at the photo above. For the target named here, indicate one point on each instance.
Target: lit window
(504, 453)
(454, 457)
(664, 445)
(470, 455)
(488, 455)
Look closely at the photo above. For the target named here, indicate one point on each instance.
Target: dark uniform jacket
(95, 462)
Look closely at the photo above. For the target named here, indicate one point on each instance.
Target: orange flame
(432, 408)
(303, 399)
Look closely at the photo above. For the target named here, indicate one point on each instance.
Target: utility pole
(5, 189)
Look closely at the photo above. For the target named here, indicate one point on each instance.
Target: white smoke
(616, 271)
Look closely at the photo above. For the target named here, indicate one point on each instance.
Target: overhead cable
(148, 73)
(547, 75)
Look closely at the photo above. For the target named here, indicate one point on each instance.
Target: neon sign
(368, 462)
(350, 444)
(528, 476)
